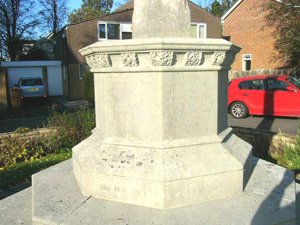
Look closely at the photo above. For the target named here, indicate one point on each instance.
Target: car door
(252, 92)
(283, 101)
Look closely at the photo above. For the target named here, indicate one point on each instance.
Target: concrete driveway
(276, 124)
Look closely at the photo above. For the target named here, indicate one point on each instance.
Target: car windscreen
(294, 81)
(32, 82)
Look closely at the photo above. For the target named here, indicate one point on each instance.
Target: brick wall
(237, 74)
(246, 28)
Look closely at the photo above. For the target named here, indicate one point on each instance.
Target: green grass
(21, 172)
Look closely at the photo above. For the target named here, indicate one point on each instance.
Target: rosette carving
(98, 61)
(130, 59)
(193, 58)
(162, 58)
(218, 58)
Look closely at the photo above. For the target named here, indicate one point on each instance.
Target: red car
(272, 95)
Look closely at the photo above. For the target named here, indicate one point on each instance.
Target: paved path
(276, 124)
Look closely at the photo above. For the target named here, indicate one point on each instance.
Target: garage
(49, 71)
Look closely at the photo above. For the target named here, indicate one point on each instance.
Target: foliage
(73, 127)
(88, 79)
(53, 14)
(21, 172)
(22, 130)
(16, 25)
(292, 154)
(90, 9)
(219, 8)
(285, 18)
(34, 53)
(19, 149)
(288, 155)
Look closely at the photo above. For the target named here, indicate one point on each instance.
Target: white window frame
(198, 29)
(246, 57)
(109, 22)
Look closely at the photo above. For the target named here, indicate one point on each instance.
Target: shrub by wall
(26, 145)
(72, 127)
(88, 80)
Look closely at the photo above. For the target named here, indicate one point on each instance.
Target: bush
(21, 172)
(73, 127)
(22, 130)
(18, 149)
(88, 80)
(292, 154)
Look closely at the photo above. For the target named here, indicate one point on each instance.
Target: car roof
(261, 77)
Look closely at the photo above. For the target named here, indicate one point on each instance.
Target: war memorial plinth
(161, 152)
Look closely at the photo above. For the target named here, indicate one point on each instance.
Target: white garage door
(14, 74)
(54, 81)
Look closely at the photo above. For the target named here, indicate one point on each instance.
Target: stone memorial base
(55, 198)
(168, 175)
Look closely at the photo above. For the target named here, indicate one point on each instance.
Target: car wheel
(238, 110)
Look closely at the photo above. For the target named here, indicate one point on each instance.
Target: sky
(75, 4)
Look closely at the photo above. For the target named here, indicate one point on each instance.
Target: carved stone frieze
(162, 58)
(98, 61)
(130, 59)
(193, 58)
(218, 58)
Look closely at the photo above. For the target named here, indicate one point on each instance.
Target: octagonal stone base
(171, 176)
(268, 199)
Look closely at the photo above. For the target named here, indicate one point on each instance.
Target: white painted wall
(54, 81)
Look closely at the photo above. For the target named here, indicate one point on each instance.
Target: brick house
(116, 25)
(245, 25)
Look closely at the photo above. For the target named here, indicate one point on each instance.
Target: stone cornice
(160, 54)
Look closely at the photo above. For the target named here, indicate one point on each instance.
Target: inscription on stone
(124, 190)
(190, 106)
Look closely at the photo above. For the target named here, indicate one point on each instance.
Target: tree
(216, 9)
(219, 8)
(16, 24)
(91, 9)
(285, 18)
(53, 14)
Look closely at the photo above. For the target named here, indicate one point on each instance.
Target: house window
(114, 31)
(247, 58)
(201, 31)
(102, 31)
(82, 69)
(198, 30)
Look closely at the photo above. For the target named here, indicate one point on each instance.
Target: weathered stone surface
(67, 195)
(160, 123)
(161, 18)
(16, 209)
(268, 199)
(208, 169)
